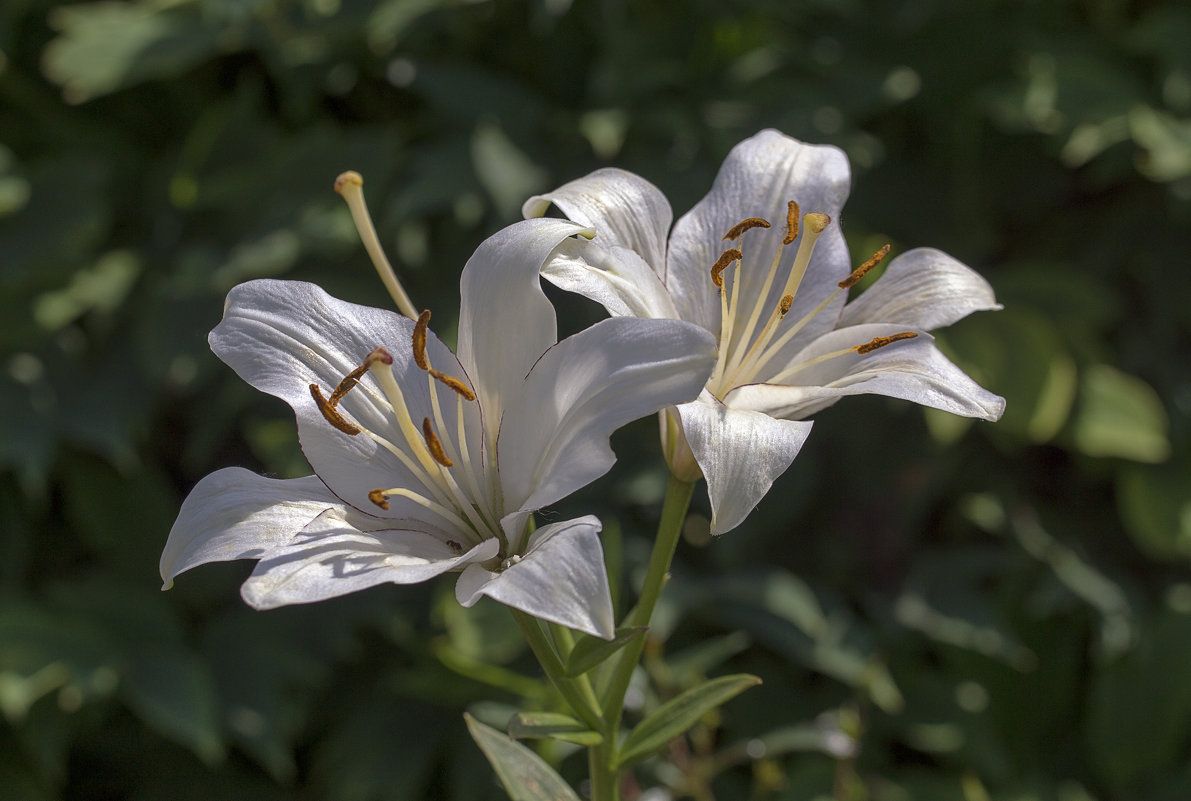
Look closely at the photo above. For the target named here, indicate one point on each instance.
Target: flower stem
(674, 508)
(578, 693)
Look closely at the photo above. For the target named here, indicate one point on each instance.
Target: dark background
(992, 612)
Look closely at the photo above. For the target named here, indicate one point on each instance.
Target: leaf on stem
(592, 651)
(553, 725)
(524, 775)
(680, 713)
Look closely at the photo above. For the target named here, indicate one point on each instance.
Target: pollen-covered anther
(793, 213)
(330, 414)
(453, 383)
(377, 496)
(726, 258)
(420, 340)
(784, 306)
(745, 225)
(863, 269)
(345, 386)
(880, 342)
(434, 445)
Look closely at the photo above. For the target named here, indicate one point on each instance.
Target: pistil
(349, 185)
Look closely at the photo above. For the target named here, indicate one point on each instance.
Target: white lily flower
(426, 463)
(776, 298)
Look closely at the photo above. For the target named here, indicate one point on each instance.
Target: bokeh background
(939, 609)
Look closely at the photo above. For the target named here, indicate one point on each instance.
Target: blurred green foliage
(939, 609)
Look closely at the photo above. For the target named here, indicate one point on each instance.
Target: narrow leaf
(678, 714)
(524, 775)
(553, 725)
(592, 651)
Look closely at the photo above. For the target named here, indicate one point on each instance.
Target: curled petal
(912, 369)
(236, 514)
(740, 452)
(561, 579)
(332, 557)
(923, 288)
(616, 277)
(624, 209)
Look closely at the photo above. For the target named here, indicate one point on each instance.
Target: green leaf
(592, 651)
(1120, 415)
(523, 774)
(680, 713)
(553, 725)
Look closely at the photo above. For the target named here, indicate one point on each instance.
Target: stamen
(726, 258)
(349, 186)
(379, 354)
(793, 212)
(377, 496)
(434, 444)
(863, 269)
(420, 340)
(784, 306)
(454, 383)
(328, 411)
(880, 342)
(745, 225)
(345, 386)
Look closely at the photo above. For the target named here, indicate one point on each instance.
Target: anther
(784, 306)
(345, 386)
(880, 342)
(377, 496)
(328, 411)
(725, 259)
(863, 269)
(454, 383)
(793, 212)
(434, 445)
(420, 340)
(745, 225)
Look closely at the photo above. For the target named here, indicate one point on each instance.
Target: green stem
(578, 693)
(674, 509)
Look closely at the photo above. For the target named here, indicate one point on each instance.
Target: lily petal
(615, 277)
(624, 209)
(561, 579)
(554, 439)
(913, 369)
(740, 452)
(922, 288)
(757, 179)
(332, 557)
(283, 336)
(235, 514)
(505, 320)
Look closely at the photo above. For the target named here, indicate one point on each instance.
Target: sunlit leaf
(524, 775)
(1120, 415)
(680, 713)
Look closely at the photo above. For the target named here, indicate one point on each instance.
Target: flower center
(447, 480)
(747, 345)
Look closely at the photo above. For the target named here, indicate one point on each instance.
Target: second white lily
(774, 295)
